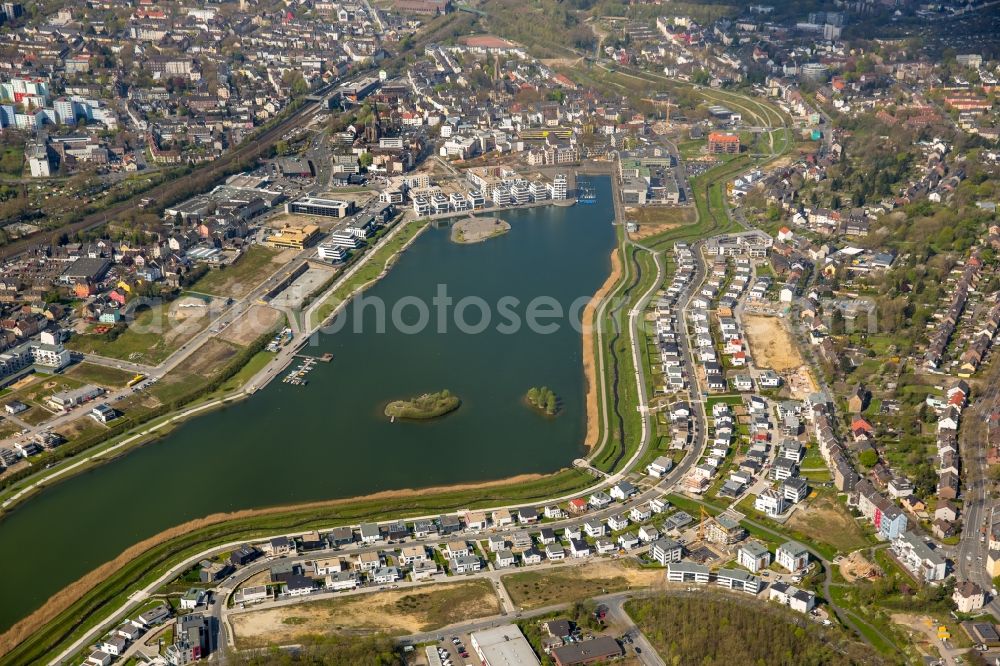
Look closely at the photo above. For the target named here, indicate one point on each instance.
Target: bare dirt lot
(255, 322)
(824, 519)
(478, 229)
(771, 343)
(654, 220)
(856, 566)
(534, 589)
(208, 359)
(394, 612)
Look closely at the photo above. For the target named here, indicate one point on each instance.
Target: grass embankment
(86, 603)
(373, 268)
(423, 407)
(625, 423)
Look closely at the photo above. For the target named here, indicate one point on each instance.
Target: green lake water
(329, 439)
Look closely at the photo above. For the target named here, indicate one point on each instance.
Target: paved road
(970, 555)
(646, 653)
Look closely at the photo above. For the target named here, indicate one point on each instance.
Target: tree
(533, 395)
(550, 403)
(868, 458)
(366, 159)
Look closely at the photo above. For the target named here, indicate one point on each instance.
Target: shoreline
(590, 354)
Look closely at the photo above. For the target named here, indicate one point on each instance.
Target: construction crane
(705, 517)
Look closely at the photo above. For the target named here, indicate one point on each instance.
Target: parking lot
(454, 650)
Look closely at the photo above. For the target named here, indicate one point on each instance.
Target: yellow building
(993, 563)
(295, 237)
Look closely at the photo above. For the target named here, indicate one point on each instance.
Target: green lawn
(239, 279)
(102, 375)
(149, 339)
(258, 362)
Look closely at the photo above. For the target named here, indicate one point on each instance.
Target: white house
(802, 601)
(792, 556)
(628, 541)
(968, 597)
(641, 513)
(754, 556)
(617, 523)
(505, 559)
(622, 490)
(666, 551)
(385, 575)
(593, 528)
(659, 467)
(770, 502)
(464, 564)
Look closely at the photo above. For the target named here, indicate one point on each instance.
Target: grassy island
(423, 407)
(543, 399)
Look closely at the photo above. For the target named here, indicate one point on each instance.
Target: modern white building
(923, 562)
(503, 646)
(754, 556)
(770, 502)
(792, 556)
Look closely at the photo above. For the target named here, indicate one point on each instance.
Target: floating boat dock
(586, 193)
(297, 377)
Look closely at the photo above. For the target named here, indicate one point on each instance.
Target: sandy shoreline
(589, 357)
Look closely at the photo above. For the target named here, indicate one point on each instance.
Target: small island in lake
(543, 399)
(423, 407)
(478, 229)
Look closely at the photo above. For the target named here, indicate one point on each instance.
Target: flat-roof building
(322, 207)
(295, 237)
(503, 646)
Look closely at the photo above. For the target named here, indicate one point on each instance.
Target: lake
(330, 439)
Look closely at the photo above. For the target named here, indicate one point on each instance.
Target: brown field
(395, 612)
(534, 589)
(771, 343)
(208, 359)
(84, 425)
(252, 324)
(824, 519)
(589, 360)
(654, 220)
(856, 566)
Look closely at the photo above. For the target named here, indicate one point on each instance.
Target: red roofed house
(578, 505)
(861, 429)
